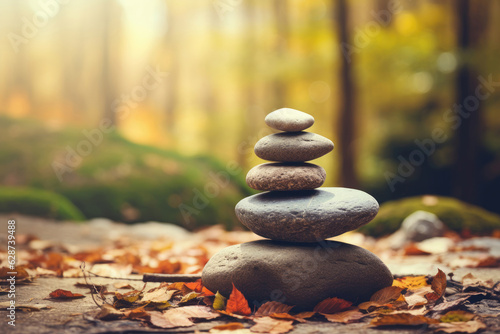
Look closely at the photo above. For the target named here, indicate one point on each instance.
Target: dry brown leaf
(108, 312)
(446, 306)
(417, 297)
(21, 274)
(402, 319)
(439, 283)
(123, 285)
(304, 315)
(232, 326)
(64, 294)
(345, 317)
(469, 281)
(237, 303)
(472, 326)
(332, 305)
(189, 296)
(181, 316)
(382, 297)
(138, 313)
(286, 316)
(271, 326)
(157, 295)
(272, 307)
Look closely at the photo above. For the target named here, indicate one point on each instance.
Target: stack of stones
(298, 266)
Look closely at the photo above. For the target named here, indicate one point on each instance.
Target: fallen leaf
(304, 315)
(237, 303)
(157, 295)
(410, 282)
(469, 282)
(189, 296)
(123, 285)
(401, 319)
(447, 306)
(438, 286)
(20, 273)
(472, 326)
(128, 297)
(332, 305)
(345, 317)
(219, 302)
(180, 316)
(271, 326)
(138, 313)
(382, 297)
(412, 249)
(108, 312)
(417, 297)
(25, 307)
(64, 294)
(272, 307)
(232, 326)
(198, 287)
(457, 316)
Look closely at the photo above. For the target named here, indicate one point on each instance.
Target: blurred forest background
(149, 110)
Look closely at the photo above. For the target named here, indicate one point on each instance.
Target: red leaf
(332, 305)
(64, 294)
(237, 303)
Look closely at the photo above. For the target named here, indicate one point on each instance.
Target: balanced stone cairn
(297, 266)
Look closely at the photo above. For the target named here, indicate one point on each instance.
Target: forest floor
(49, 255)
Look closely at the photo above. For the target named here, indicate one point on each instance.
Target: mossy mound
(39, 203)
(117, 179)
(456, 215)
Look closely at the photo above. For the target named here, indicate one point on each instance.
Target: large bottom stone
(297, 274)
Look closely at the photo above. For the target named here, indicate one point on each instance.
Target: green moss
(120, 180)
(38, 202)
(455, 214)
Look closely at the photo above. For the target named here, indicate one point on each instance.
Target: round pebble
(286, 119)
(292, 146)
(286, 176)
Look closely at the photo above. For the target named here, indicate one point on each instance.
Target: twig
(170, 277)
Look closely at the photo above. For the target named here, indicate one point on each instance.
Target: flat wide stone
(296, 274)
(286, 119)
(286, 176)
(292, 146)
(307, 215)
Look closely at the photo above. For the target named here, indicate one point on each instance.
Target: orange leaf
(232, 326)
(237, 303)
(64, 294)
(286, 316)
(272, 307)
(198, 287)
(382, 297)
(402, 319)
(304, 315)
(332, 305)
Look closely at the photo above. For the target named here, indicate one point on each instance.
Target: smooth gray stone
(286, 119)
(296, 274)
(306, 215)
(286, 176)
(292, 146)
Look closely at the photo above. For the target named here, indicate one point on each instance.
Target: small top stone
(291, 120)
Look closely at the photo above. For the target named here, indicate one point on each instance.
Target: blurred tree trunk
(244, 148)
(346, 107)
(110, 45)
(172, 79)
(280, 8)
(469, 33)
